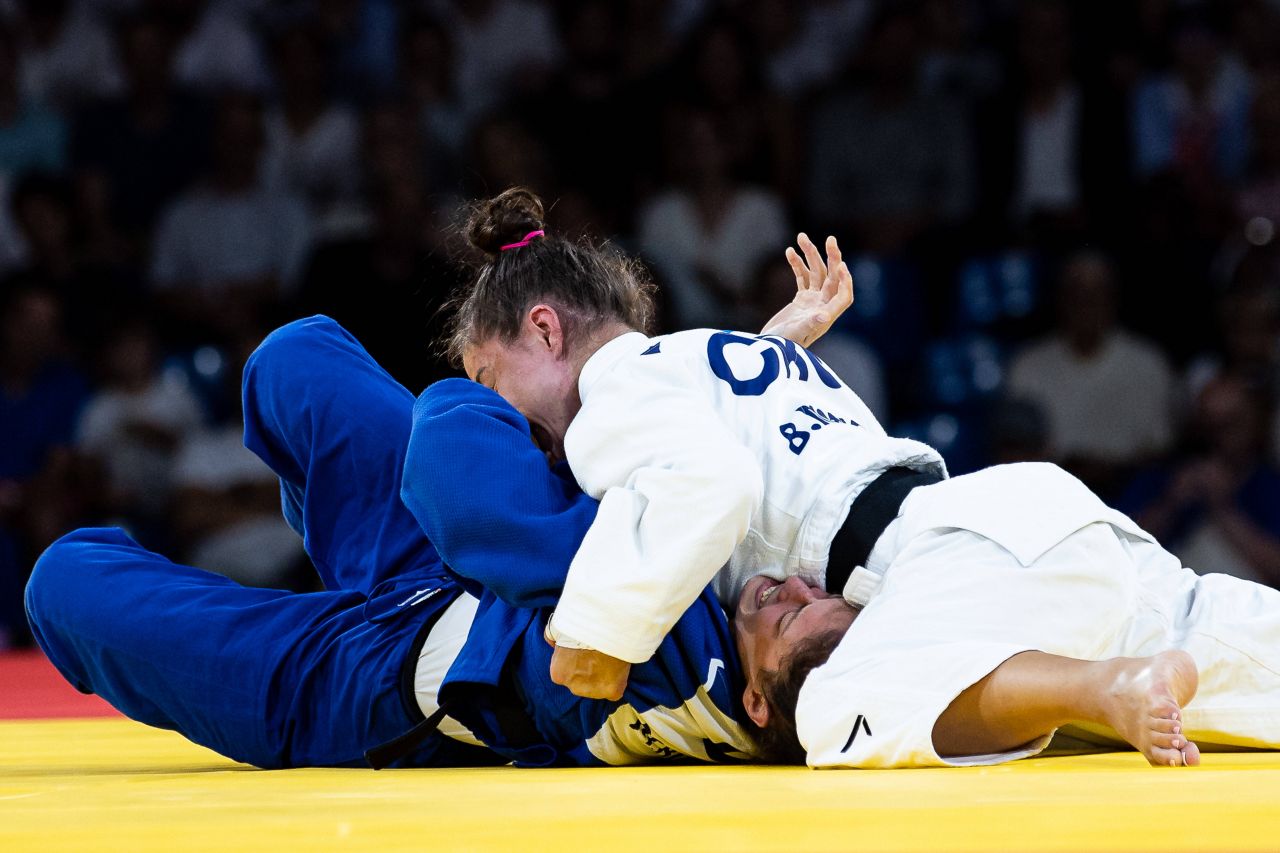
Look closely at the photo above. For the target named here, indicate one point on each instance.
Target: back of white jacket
(716, 456)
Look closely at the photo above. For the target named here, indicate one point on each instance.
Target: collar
(604, 359)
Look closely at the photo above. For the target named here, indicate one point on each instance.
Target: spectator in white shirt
(708, 233)
(312, 142)
(502, 45)
(135, 423)
(216, 48)
(1107, 394)
(66, 56)
(230, 248)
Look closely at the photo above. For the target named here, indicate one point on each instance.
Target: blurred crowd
(1061, 218)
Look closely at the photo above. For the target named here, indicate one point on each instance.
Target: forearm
(1026, 697)
(650, 553)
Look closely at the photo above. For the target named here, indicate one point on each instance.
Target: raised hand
(824, 291)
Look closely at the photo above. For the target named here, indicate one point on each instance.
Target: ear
(546, 324)
(756, 705)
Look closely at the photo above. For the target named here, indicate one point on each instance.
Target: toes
(1164, 725)
(1191, 754)
(1167, 740)
(1160, 757)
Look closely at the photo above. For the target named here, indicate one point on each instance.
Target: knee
(67, 566)
(288, 347)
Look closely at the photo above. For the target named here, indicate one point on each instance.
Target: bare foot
(1144, 702)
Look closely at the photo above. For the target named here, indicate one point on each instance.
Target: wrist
(561, 640)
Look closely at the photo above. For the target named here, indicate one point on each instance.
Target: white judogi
(708, 450)
(1018, 558)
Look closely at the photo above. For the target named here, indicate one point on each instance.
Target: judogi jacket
(509, 526)
(716, 456)
(974, 576)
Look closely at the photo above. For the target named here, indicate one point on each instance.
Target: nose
(795, 591)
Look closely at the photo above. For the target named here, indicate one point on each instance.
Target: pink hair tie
(528, 238)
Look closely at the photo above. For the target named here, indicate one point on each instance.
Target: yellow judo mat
(111, 784)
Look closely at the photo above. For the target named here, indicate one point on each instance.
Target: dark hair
(588, 283)
(778, 742)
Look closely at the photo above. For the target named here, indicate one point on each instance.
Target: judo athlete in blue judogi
(408, 629)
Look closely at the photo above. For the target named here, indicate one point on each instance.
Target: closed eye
(788, 618)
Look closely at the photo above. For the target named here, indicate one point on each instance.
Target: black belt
(384, 754)
(869, 514)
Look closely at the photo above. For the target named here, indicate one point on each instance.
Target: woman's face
(533, 375)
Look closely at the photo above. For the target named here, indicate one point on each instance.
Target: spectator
(502, 47)
(1033, 153)
(1218, 508)
(134, 153)
(41, 391)
(427, 75)
(591, 119)
(1249, 316)
(1193, 119)
(1107, 394)
(954, 63)
(40, 397)
(806, 45)
(709, 232)
(389, 289)
(42, 205)
(721, 70)
(361, 36)
(505, 153)
(312, 143)
(32, 137)
(66, 56)
(912, 167)
(215, 50)
(135, 422)
(226, 506)
(228, 251)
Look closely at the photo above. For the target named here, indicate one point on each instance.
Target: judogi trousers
(1018, 558)
(267, 677)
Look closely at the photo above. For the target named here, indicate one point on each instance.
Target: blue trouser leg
(272, 678)
(334, 427)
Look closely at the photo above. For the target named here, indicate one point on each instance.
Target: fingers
(798, 268)
(844, 289)
(838, 272)
(817, 269)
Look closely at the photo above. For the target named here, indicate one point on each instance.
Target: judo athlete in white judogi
(716, 455)
(978, 571)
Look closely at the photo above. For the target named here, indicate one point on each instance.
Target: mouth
(767, 589)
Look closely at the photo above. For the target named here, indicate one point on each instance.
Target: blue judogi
(682, 703)
(280, 679)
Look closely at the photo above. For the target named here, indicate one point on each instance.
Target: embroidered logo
(418, 597)
(859, 724)
(712, 671)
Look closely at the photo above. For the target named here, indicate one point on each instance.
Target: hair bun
(504, 219)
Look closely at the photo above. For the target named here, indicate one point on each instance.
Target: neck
(592, 345)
